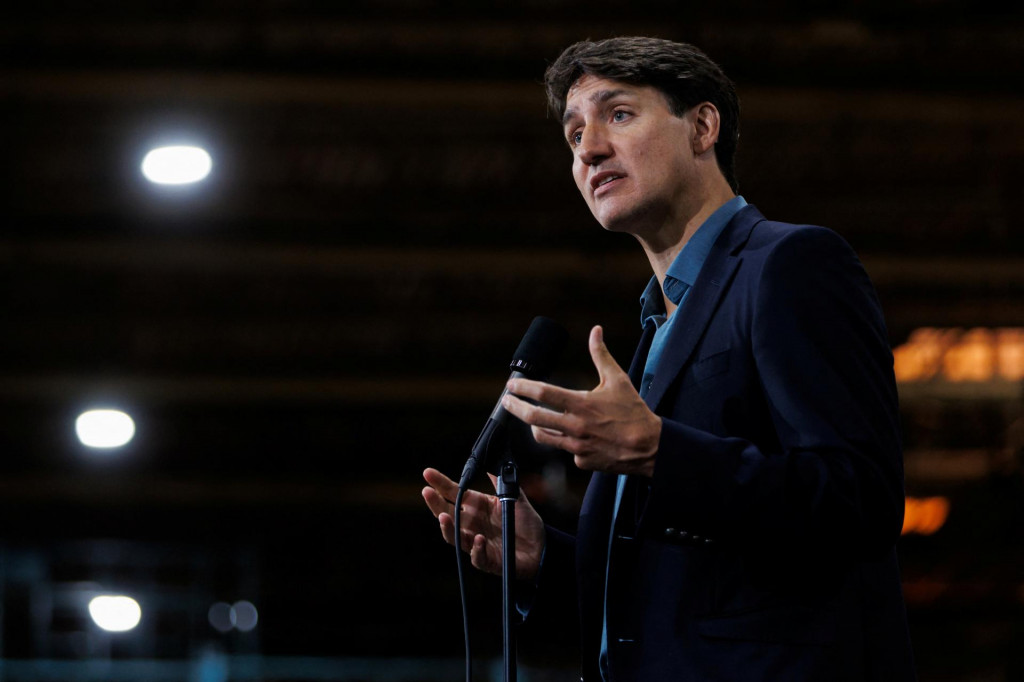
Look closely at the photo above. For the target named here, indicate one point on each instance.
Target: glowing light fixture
(115, 613)
(925, 515)
(960, 355)
(244, 615)
(104, 428)
(220, 616)
(178, 165)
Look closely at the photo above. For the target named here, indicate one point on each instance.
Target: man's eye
(575, 138)
(620, 116)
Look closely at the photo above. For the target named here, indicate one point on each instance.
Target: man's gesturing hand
(609, 428)
(481, 525)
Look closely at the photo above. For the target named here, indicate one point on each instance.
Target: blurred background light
(177, 165)
(959, 355)
(115, 613)
(925, 516)
(220, 617)
(244, 615)
(104, 428)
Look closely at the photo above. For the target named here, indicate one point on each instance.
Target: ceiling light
(177, 165)
(115, 613)
(104, 428)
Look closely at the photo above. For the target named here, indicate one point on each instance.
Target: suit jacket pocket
(782, 624)
(711, 365)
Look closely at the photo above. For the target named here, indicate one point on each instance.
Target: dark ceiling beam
(126, 86)
(213, 389)
(995, 273)
(924, 44)
(826, 102)
(154, 492)
(228, 259)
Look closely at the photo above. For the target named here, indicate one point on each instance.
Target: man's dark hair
(684, 74)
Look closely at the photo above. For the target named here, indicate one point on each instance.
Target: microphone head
(539, 349)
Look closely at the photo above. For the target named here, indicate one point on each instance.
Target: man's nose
(594, 145)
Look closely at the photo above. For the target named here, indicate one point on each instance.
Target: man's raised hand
(608, 428)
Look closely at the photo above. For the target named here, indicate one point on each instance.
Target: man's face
(633, 160)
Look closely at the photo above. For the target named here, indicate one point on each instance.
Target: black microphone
(533, 359)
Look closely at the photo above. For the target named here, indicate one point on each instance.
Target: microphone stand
(508, 493)
(540, 346)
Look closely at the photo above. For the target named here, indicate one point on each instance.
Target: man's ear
(706, 125)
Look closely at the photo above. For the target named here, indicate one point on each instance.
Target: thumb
(602, 357)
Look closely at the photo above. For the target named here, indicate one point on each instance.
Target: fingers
(602, 357)
(441, 493)
(538, 416)
(476, 508)
(540, 432)
(478, 554)
(473, 544)
(549, 394)
(447, 527)
(441, 483)
(437, 504)
(563, 399)
(447, 523)
(557, 439)
(478, 519)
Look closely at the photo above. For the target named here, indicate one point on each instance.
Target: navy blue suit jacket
(762, 548)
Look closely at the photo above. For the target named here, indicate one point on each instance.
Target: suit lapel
(700, 303)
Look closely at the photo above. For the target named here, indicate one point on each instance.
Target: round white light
(220, 617)
(178, 165)
(244, 615)
(115, 613)
(104, 428)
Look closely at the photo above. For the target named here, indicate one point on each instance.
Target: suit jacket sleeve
(547, 604)
(817, 355)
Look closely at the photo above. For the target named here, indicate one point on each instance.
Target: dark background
(333, 309)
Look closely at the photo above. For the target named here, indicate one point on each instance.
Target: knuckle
(580, 426)
(575, 429)
(633, 441)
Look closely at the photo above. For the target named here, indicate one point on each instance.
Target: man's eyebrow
(596, 98)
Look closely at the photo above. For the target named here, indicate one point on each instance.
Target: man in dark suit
(747, 489)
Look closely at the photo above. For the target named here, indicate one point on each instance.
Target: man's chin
(635, 218)
(616, 222)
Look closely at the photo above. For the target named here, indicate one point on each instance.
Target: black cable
(462, 582)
